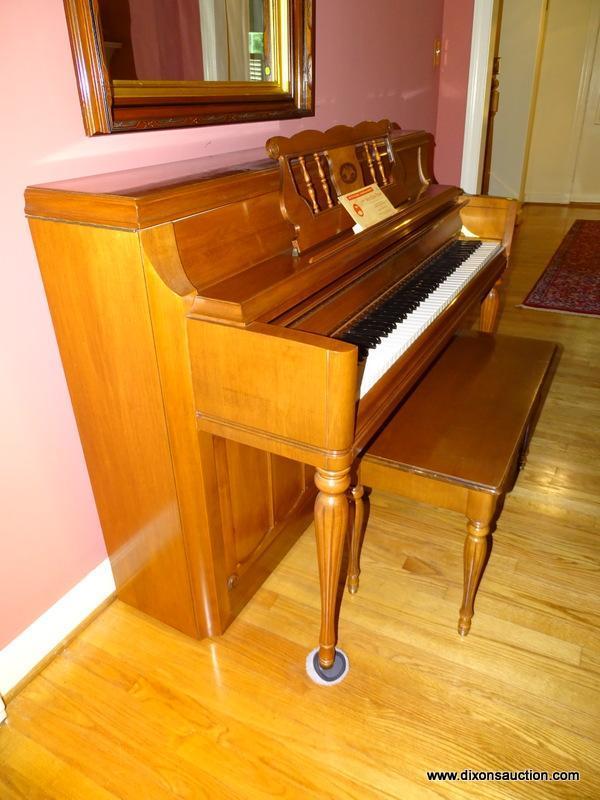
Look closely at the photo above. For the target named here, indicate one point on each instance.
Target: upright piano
(227, 337)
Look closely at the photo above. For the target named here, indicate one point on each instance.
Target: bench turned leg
(481, 508)
(357, 493)
(331, 523)
(488, 313)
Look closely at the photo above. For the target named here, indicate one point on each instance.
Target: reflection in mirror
(149, 64)
(190, 40)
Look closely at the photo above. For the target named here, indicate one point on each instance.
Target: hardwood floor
(132, 709)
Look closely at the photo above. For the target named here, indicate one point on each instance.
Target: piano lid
(137, 198)
(224, 229)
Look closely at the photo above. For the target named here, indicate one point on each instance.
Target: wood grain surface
(133, 709)
(466, 420)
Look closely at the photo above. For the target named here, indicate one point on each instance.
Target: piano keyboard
(388, 329)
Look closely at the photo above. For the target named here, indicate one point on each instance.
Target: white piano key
(392, 346)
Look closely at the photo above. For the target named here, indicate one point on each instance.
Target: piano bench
(461, 437)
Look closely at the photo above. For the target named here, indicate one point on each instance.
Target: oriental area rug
(571, 282)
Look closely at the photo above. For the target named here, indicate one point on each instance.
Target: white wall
(517, 50)
(556, 122)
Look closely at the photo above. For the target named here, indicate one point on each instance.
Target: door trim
(485, 19)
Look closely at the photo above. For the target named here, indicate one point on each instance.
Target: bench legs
(357, 493)
(481, 509)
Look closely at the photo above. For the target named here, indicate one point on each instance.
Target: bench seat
(459, 440)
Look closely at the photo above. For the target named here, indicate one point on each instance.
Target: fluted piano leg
(357, 493)
(331, 522)
(480, 512)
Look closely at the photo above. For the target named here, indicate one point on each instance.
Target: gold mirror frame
(120, 106)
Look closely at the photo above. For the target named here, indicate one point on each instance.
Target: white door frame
(485, 19)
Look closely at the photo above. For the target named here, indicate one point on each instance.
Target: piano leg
(357, 493)
(490, 306)
(331, 523)
(481, 509)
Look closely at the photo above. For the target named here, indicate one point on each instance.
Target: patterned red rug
(571, 281)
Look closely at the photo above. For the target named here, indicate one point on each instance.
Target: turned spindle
(309, 185)
(323, 179)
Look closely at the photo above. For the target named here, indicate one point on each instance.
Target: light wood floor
(134, 710)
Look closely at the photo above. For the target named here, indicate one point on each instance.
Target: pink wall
(454, 77)
(370, 64)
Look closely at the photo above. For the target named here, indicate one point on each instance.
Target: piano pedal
(327, 677)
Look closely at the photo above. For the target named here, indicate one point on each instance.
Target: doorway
(548, 84)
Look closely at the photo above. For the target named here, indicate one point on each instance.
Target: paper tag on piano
(367, 206)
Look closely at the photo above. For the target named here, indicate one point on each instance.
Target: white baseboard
(547, 197)
(585, 198)
(24, 653)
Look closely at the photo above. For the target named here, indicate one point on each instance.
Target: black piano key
(394, 316)
(376, 326)
(368, 331)
(365, 339)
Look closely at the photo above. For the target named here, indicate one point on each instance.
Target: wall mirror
(148, 64)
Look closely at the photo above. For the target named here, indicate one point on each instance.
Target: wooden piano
(220, 326)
